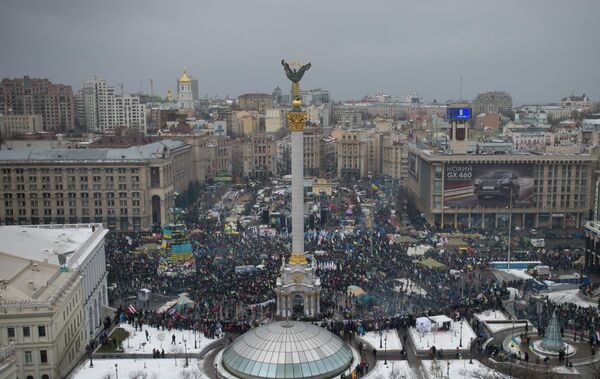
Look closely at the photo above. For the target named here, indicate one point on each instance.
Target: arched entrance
(298, 305)
(156, 216)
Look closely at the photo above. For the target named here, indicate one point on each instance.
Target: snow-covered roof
(45, 243)
(134, 153)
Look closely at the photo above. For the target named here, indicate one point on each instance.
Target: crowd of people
(362, 256)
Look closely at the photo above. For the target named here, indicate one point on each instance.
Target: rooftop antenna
(460, 88)
(151, 87)
(121, 85)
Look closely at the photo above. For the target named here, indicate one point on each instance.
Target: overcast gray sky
(538, 50)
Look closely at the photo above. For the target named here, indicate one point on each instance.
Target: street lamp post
(471, 352)
(380, 337)
(117, 370)
(460, 342)
(186, 356)
(195, 343)
(385, 351)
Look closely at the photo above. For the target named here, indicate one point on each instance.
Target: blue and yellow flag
(374, 186)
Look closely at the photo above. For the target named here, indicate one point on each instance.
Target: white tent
(418, 250)
(423, 324)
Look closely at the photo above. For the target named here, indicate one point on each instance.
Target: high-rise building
(28, 96)
(195, 90)
(185, 94)
(100, 110)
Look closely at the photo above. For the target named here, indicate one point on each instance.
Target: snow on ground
(393, 370)
(129, 368)
(136, 343)
(448, 340)
(393, 341)
(569, 296)
(491, 315)
(411, 287)
(459, 368)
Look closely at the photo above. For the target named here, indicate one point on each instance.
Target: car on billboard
(497, 184)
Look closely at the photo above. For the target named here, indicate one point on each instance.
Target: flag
(131, 309)
(374, 186)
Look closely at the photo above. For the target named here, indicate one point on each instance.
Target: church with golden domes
(185, 96)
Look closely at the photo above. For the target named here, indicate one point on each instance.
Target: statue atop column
(295, 75)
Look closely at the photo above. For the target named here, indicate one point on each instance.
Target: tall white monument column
(298, 278)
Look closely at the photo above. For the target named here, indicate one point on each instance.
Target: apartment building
(30, 96)
(492, 102)
(394, 156)
(99, 109)
(125, 189)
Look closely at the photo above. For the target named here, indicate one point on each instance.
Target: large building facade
(99, 109)
(29, 96)
(493, 101)
(75, 247)
(12, 125)
(42, 315)
(125, 189)
(530, 190)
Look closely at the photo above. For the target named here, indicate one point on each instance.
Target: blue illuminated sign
(459, 113)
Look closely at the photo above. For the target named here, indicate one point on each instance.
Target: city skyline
(359, 50)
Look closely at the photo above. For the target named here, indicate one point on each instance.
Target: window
(41, 331)
(11, 332)
(43, 356)
(28, 358)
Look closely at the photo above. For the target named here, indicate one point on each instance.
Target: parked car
(498, 184)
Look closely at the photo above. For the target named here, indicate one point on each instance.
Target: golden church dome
(184, 78)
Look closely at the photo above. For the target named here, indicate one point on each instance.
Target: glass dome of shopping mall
(287, 349)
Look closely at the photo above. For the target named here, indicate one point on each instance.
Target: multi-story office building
(16, 124)
(394, 156)
(313, 138)
(43, 313)
(99, 109)
(27, 96)
(255, 101)
(78, 248)
(255, 156)
(359, 153)
(476, 190)
(126, 189)
(493, 101)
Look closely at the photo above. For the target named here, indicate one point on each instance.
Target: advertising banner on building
(475, 185)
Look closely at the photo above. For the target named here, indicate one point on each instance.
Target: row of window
(12, 332)
(71, 170)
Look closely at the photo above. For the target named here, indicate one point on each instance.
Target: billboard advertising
(458, 113)
(471, 185)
